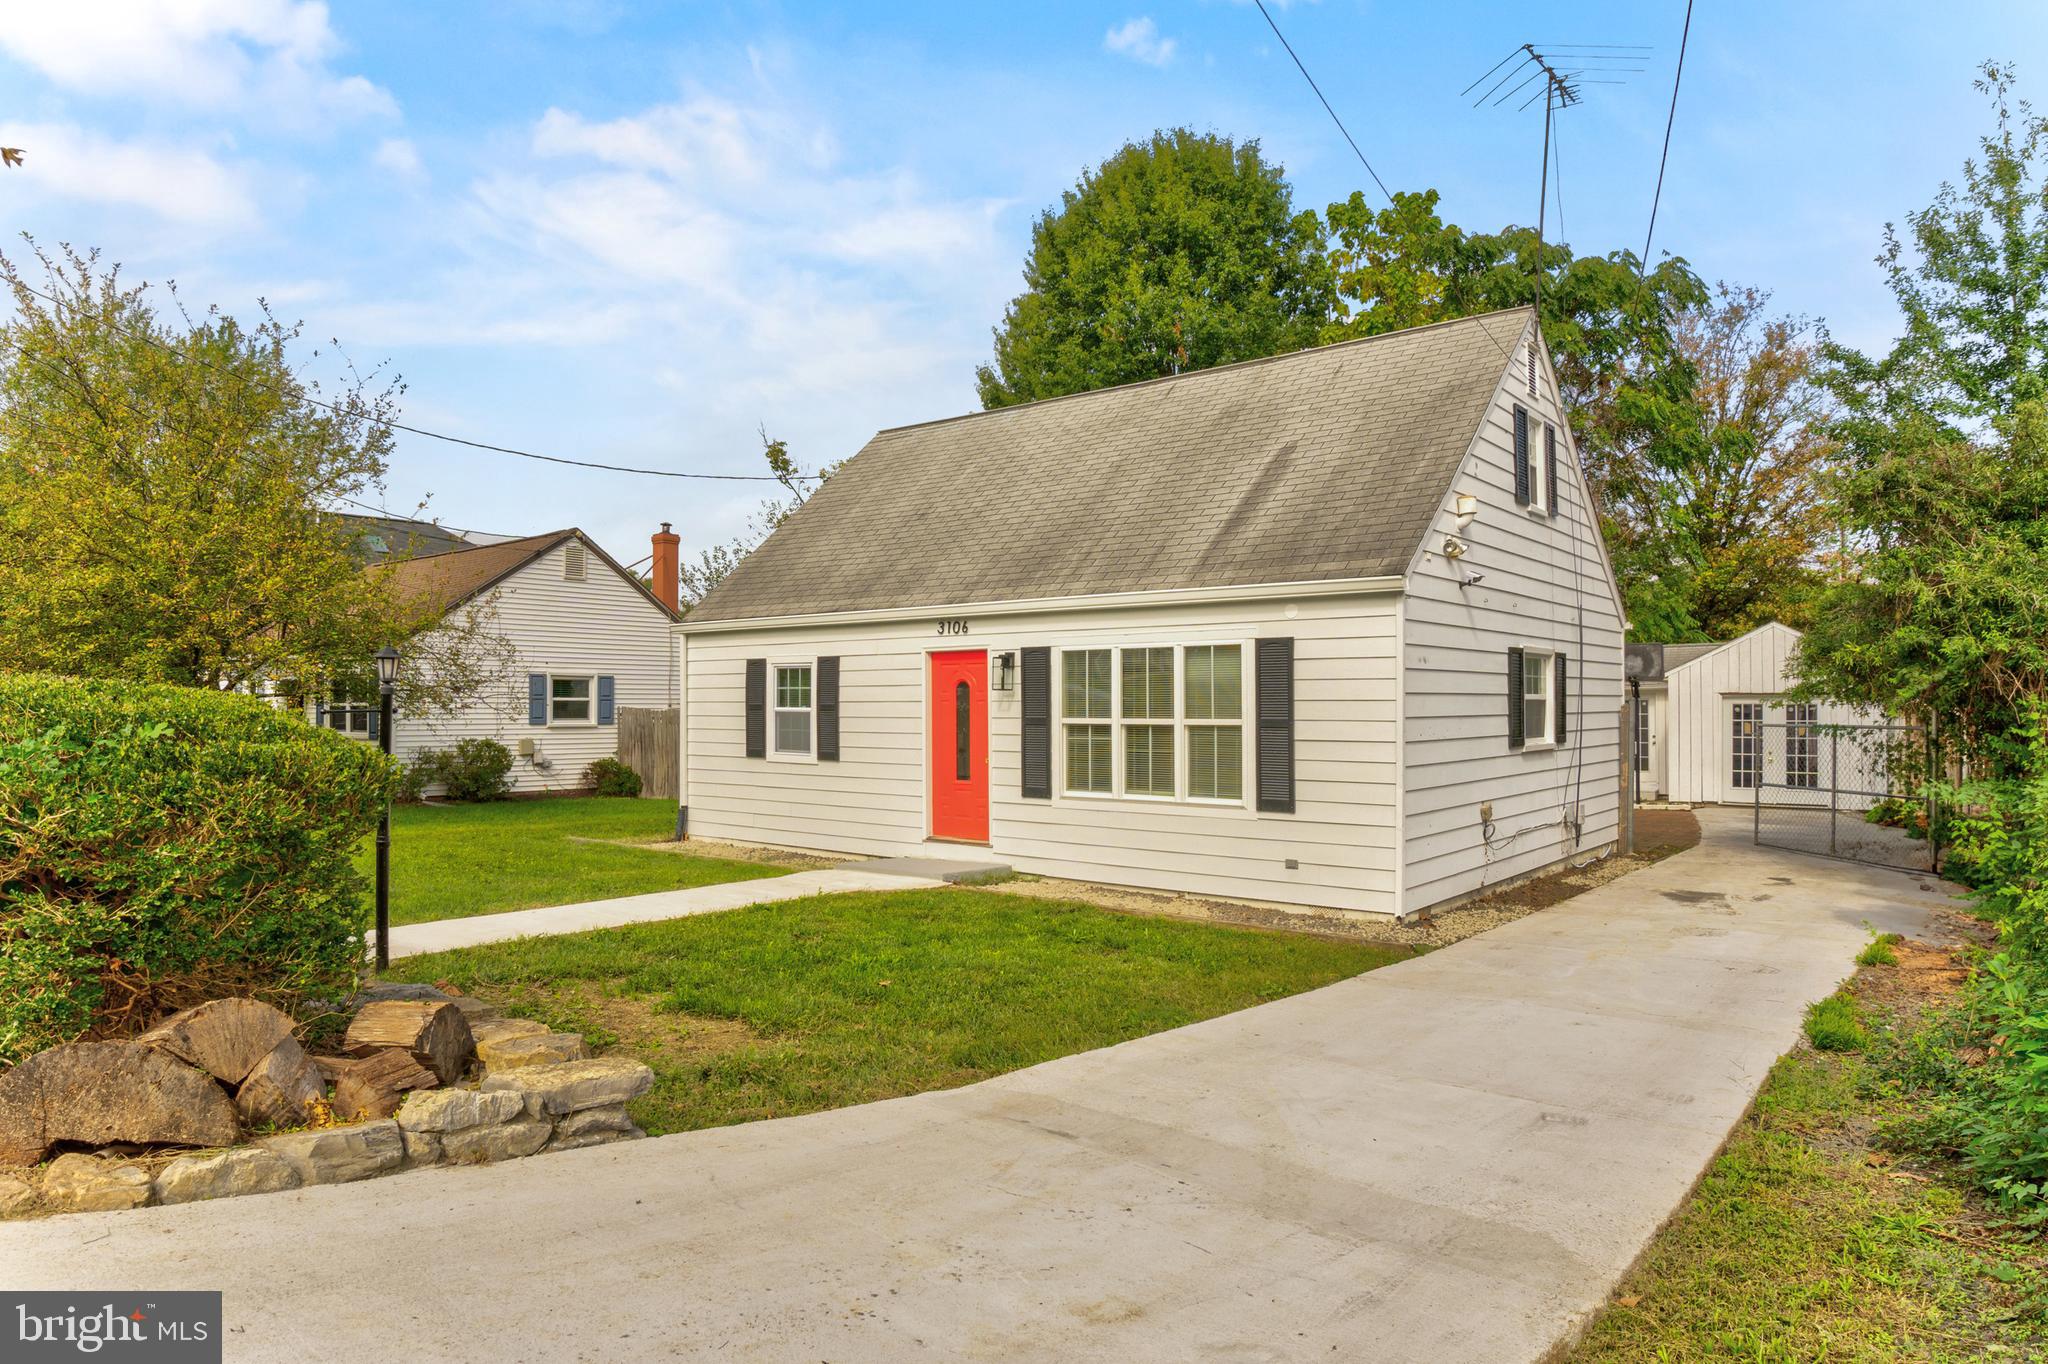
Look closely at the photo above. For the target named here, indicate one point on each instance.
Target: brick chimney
(667, 566)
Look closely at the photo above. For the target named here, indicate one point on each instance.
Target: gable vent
(1532, 371)
(572, 562)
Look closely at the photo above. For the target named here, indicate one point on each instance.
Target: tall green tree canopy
(166, 496)
(1175, 254)
(1943, 612)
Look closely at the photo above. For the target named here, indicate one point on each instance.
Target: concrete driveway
(1451, 1159)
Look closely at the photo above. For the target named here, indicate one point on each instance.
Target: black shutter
(757, 708)
(1550, 467)
(828, 710)
(1514, 698)
(1037, 738)
(1275, 687)
(1563, 672)
(1523, 492)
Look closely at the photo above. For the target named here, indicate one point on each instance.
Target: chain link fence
(1849, 791)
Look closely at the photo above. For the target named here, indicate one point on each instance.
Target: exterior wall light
(1003, 672)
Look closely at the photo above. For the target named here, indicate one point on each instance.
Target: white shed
(1334, 628)
(1717, 724)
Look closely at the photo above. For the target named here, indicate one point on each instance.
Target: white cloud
(1139, 40)
(267, 54)
(398, 156)
(173, 180)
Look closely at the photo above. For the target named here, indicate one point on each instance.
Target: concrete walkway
(441, 934)
(1452, 1159)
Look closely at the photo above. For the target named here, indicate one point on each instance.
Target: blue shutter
(605, 713)
(536, 698)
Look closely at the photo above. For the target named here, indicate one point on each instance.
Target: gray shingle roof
(1675, 654)
(1323, 464)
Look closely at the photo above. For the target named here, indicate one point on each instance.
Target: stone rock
(100, 1092)
(451, 1110)
(571, 1086)
(337, 1155)
(81, 1183)
(501, 1141)
(16, 1195)
(378, 994)
(421, 1148)
(475, 1010)
(504, 1030)
(230, 1174)
(593, 1127)
(540, 1049)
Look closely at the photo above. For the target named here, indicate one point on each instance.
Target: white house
(584, 637)
(1334, 628)
(1714, 725)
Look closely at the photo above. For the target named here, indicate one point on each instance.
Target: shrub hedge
(610, 777)
(160, 845)
(475, 769)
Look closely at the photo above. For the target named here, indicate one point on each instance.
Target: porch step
(931, 868)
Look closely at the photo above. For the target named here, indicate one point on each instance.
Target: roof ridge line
(1349, 343)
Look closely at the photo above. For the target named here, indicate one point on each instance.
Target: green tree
(1942, 608)
(1176, 254)
(714, 562)
(165, 487)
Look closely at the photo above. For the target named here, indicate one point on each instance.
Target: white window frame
(1548, 672)
(1179, 722)
(776, 753)
(558, 722)
(1539, 482)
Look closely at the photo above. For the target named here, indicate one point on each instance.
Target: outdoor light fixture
(1454, 548)
(1005, 671)
(387, 677)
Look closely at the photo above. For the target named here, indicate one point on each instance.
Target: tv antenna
(1564, 70)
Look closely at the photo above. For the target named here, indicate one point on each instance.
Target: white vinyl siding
(1545, 588)
(601, 626)
(1342, 837)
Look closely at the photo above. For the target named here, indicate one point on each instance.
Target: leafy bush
(161, 845)
(475, 769)
(610, 777)
(1833, 1024)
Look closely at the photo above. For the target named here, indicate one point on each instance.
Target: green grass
(1803, 1243)
(452, 861)
(1835, 1024)
(1878, 951)
(843, 999)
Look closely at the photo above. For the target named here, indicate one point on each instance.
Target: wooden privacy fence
(650, 740)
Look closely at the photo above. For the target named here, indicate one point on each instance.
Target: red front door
(959, 745)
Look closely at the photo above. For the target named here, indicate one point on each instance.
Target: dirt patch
(613, 1019)
(736, 852)
(1674, 832)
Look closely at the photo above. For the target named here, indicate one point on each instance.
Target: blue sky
(637, 233)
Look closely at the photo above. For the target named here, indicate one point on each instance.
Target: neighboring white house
(586, 637)
(1334, 628)
(1715, 726)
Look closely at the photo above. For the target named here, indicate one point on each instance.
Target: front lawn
(844, 999)
(451, 861)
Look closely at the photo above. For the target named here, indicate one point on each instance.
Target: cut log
(434, 1031)
(281, 1088)
(223, 1037)
(375, 1085)
(101, 1092)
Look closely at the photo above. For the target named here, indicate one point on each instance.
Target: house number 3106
(952, 627)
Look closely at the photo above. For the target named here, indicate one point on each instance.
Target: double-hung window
(1159, 722)
(1537, 671)
(1085, 713)
(569, 700)
(793, 709)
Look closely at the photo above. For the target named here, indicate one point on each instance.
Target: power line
(1326, 103)
(1670, 118)
(388, 424)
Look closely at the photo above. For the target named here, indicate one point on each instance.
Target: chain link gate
(1842, 791)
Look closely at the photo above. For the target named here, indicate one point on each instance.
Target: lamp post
(387, 677)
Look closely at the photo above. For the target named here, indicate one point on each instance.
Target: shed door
(957, 740)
